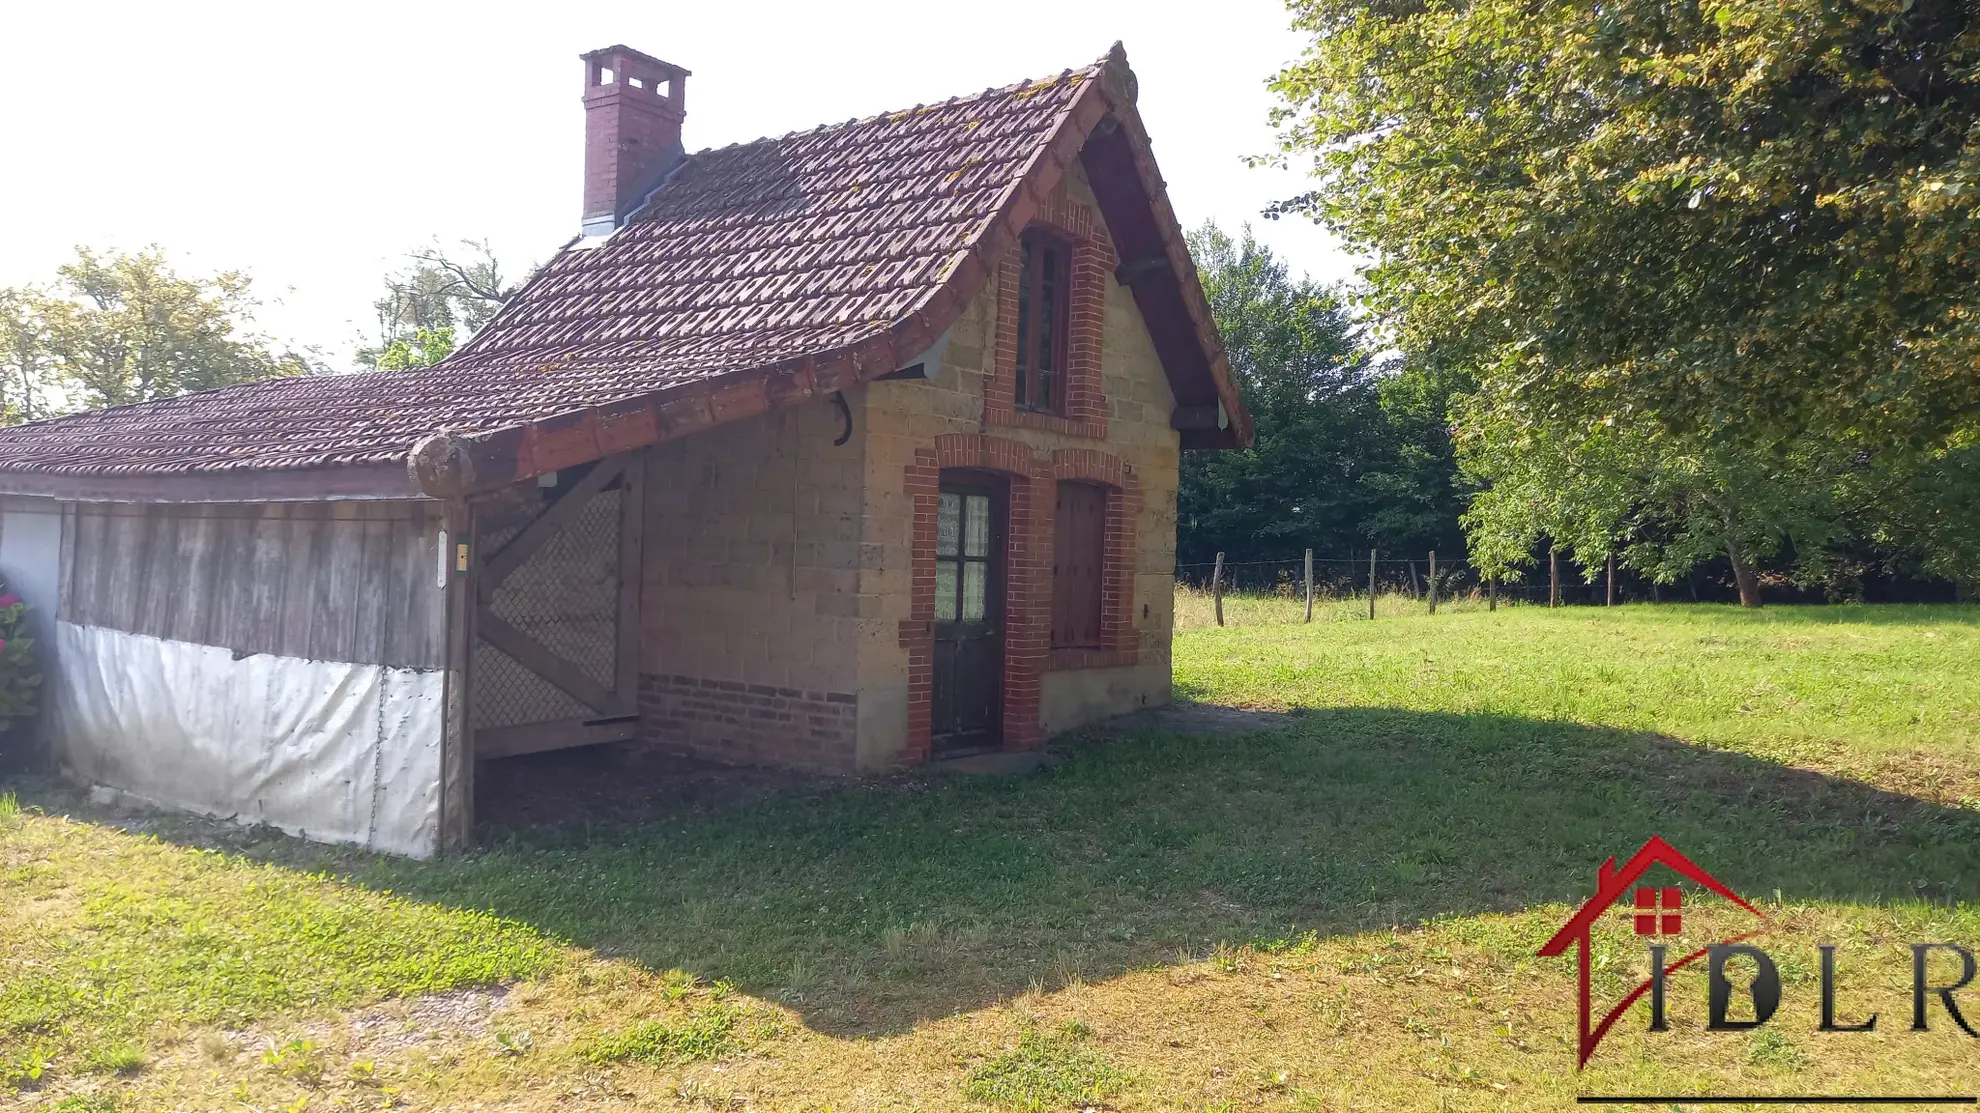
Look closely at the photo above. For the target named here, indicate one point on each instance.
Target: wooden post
(632, 567)
(1309, 585)
(456, 803)
(1217, 588)
(1553, 576)
(1415, 585)
(1433, 581)
(1492, 592)
(1371, 583)
(1612, 581)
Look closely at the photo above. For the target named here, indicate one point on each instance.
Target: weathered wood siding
(342, 581)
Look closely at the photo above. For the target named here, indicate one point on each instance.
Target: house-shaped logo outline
(1610, 885)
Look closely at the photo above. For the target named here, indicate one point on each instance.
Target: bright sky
(313, 145)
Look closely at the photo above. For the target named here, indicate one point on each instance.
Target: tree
(26, 361)
(1741, 220)
(1662, 503)
(126, 328)
(1346, 451)
(436, 300)
(424, 348)
(1415, 489)
(1657, 503)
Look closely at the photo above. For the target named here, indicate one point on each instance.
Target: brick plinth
(748, 724)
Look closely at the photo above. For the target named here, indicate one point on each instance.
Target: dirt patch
(462, 1014)
(614, 782)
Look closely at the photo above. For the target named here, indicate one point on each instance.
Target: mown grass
(1860, 690)
(1338, 911)
(126, 934)
(1046, 1070)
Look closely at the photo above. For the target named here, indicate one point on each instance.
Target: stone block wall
(750, 601)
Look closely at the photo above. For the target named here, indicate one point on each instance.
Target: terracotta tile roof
(757, 253)
(777, 268)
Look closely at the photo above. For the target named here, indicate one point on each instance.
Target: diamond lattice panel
(565, 597)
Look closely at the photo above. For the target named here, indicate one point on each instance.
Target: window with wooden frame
(1044, 314)
(1079, 557)
(965, 556)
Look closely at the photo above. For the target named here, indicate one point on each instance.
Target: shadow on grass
(868, 906)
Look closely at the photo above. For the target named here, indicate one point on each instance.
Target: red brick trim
(1027, 583)
(1085, 413)
(1092, 465)
(971, 450)
(1120, 645)
(924, 479)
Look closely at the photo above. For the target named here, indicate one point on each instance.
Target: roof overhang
(1156, 267)
(387, 480)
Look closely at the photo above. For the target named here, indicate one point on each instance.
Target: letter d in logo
(1766, 987)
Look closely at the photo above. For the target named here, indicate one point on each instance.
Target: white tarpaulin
(329, 750)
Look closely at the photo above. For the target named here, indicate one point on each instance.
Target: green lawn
(1337, 911)
(1837, 688)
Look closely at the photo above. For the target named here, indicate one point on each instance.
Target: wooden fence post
(1371, 583)
(1309, 585)
(1553, 576)
(1492, 592)
(1415, 585)
(1612, 581)
(1433, 581)
(1217, 588)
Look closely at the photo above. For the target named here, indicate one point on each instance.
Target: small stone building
(845, 451)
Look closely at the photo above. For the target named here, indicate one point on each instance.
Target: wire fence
(1261, 590)
(1356, 587)
(1337, 578)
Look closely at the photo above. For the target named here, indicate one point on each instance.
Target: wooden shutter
(1079, 553)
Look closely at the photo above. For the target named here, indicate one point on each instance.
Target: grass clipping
(1046, 1070)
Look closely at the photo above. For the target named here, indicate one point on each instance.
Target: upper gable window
(1043, 314)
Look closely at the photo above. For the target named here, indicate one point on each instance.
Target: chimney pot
(633, 107)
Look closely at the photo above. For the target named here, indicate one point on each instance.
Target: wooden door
(555, 619)
(969, 617)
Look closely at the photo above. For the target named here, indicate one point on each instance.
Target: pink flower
(9, 599)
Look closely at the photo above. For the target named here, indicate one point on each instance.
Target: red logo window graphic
(1657, 910)
(1654, 911)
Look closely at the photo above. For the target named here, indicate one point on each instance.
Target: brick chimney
(633, 106)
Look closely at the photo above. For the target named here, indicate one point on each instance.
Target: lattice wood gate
(556, 616)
